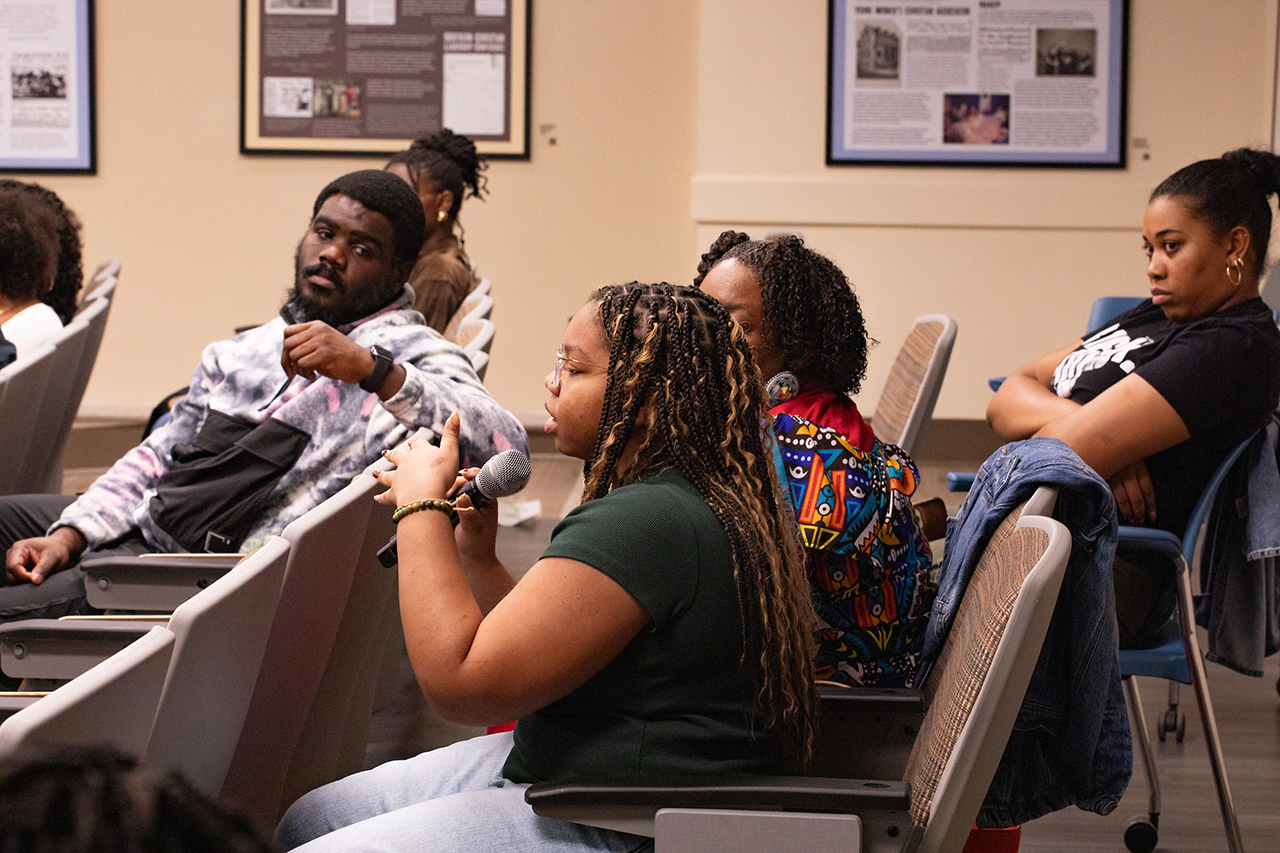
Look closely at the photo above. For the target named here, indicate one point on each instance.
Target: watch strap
(382, 362)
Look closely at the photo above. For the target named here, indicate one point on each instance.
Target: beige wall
(672, 120)
(206, 235)
(1014, 255)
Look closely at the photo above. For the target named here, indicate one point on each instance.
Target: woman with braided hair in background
(867, 558)
(666, 629)
(443, 169)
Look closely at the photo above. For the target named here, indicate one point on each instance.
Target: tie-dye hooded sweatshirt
(349, 427)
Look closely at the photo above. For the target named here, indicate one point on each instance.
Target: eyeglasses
(561, 359)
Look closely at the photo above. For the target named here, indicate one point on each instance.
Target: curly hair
(810, 308)
(97, 800)
(1228, 191)
(28, 247)
(450, 161)
(681, 377)
(63, 296)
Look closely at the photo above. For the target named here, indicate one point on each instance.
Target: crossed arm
(1113, 433)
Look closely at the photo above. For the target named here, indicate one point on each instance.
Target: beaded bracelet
(435, 503)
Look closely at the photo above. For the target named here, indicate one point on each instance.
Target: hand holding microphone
(503, 475)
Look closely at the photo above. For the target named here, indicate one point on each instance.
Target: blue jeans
(448, 799)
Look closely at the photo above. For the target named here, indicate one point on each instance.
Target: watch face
(382, 361)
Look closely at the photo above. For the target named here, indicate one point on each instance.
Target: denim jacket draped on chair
(1240, 572)
(1071, 743)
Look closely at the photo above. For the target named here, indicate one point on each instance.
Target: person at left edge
(349, 308)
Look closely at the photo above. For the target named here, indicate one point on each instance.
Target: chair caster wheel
(1170, 722)
(1140, 835)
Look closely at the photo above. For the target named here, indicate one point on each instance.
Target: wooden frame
(345, 77)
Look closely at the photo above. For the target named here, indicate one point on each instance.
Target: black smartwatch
(382, 361)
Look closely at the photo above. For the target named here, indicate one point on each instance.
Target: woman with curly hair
(666, 629)
(867, 558)
(30, 267)
(63, 296)
(443, 169)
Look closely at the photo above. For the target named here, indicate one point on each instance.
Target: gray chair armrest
(156, 583)
(633, 801)
(58, 649)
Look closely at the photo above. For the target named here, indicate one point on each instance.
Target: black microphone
(503, 475)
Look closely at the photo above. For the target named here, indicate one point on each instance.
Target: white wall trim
(978, 198)
(116, 411)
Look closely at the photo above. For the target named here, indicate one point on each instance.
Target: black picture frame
(48, 124)
(316, 127)
(1061, 100)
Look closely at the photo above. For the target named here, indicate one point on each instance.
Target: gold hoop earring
(441, 215)
(1238, 266)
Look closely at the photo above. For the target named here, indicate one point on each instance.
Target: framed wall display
(46, 102)
(369, 76)
(974, 82)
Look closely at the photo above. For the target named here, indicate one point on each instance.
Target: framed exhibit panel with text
(46, 102)
(369, 76)
(977, 82)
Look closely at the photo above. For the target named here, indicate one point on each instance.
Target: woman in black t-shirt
(1155, 399)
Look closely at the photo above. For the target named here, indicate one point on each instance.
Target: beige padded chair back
(102, 285)
(980, 677)
(22, 386)
(478, 305)
(476, 337)
(325, 548)
(107, 269)
(221, 636)
(906, 403)
(113, 703)
(105, 289)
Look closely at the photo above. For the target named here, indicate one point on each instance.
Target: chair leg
(1198, 682)
(1172, 721)
(1144, 745)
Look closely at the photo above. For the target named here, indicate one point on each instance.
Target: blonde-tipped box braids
(681, 378)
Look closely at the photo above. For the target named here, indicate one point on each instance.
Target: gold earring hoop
(1238, 266)
(441, 215)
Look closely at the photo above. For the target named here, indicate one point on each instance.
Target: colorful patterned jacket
(867, 558)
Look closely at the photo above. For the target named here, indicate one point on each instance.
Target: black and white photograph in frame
(1066, 52)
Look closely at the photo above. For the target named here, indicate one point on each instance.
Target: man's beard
(350, 307)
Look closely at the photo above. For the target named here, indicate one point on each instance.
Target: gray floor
(1248, 714)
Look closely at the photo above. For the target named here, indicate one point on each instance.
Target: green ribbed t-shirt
(676, 699)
